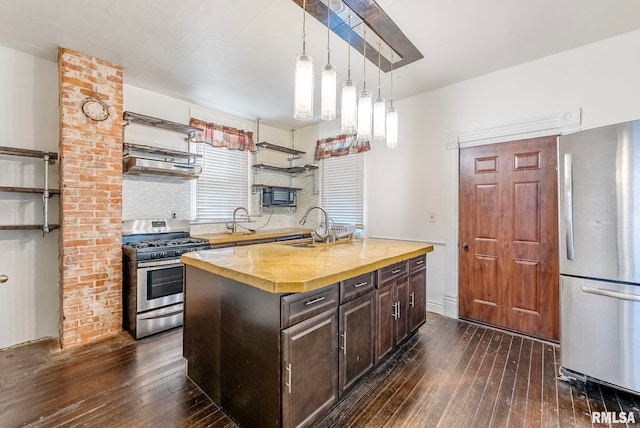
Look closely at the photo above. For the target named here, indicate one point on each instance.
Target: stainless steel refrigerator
(599, 178)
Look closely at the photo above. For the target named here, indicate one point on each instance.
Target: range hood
(134, 165)
(140, 159)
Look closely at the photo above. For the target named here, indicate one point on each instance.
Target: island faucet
(234, 223)
(326, 236)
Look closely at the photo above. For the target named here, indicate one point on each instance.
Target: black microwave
(278, 197)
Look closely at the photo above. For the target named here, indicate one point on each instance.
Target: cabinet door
(309, 369)
(417, 299)
(401, 321)
(357, 333)
(384, 321)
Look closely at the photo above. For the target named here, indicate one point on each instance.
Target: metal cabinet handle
(465, 245)
(288, 384)
(3, 279)
(419, 262)
(360, 284)
(344, 343)
(396, 311)
(609, 293)
(311, 302)
(412, 299)
(395, 271)
(568, 201)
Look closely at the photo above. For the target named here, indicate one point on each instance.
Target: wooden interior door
(509, 236)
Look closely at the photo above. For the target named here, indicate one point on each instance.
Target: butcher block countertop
(285, 268)
(225, 238)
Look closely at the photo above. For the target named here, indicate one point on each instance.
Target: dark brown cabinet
(357, 339)
(417, 293)
(309, 369)
(284, 360)
(401, 303)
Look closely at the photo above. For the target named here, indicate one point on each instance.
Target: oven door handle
(163, 263)
(165, 315)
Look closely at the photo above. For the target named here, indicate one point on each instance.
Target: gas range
(159, 239)
(153, 283)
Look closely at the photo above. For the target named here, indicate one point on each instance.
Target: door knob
(465, 245)
(3, 279)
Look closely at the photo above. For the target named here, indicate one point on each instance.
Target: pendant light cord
(364, 60)
(379, 54)
(391, 97)
(328, 31)
(304, 26)
(349, 50)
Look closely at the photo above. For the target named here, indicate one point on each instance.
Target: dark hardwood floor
(451, 374)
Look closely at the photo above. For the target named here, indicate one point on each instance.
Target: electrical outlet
(432, 217)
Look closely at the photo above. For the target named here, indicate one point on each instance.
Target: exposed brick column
(91, 200)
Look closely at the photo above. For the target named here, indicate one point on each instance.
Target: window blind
(343, 189)
(224, 183)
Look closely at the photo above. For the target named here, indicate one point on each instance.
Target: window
(224, 183)
(343, 188)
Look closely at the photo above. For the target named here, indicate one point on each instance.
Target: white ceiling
(238, 56)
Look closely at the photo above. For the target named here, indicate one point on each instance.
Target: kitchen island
(277, 333)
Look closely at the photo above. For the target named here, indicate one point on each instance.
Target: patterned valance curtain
(224, 136)
(340, 145)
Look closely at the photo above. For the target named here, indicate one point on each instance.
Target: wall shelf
(277, 148)
(172, 155)
(30, 227)
(260, 186)
(49, 158)
(286, 170)
(154, 122)
(28, 190)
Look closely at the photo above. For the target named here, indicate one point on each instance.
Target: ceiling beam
(378, 21)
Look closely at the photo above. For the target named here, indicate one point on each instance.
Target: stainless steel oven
(153, 274)
(160, 283)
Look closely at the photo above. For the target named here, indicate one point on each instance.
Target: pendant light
(365, 100)
(379, 108)
(328, 91)
(303, 86)
(349, 101)
(392, 118)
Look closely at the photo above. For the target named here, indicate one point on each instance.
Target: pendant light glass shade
(328, 95)
(379, 108)
(365, 107)
(303, 89)
(349, 105)
(392, 128)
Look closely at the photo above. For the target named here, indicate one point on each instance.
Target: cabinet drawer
(301, 306)
(394, 271)
(417, 263)
(356, 287)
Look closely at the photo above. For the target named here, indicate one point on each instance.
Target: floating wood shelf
(154, 122)
(284, 169)
(28, 190)
(277, 148)
(28, 227)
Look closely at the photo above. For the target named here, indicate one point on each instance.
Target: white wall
(421, 176)
(29, 301)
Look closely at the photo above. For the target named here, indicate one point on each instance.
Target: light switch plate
(432, 217)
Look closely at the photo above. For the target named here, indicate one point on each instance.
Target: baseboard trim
(437, 308)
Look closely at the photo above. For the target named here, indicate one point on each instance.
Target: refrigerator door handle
(609, 293)
(568, 201)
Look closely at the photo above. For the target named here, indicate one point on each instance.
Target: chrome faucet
(326, 236)
(234, 224)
